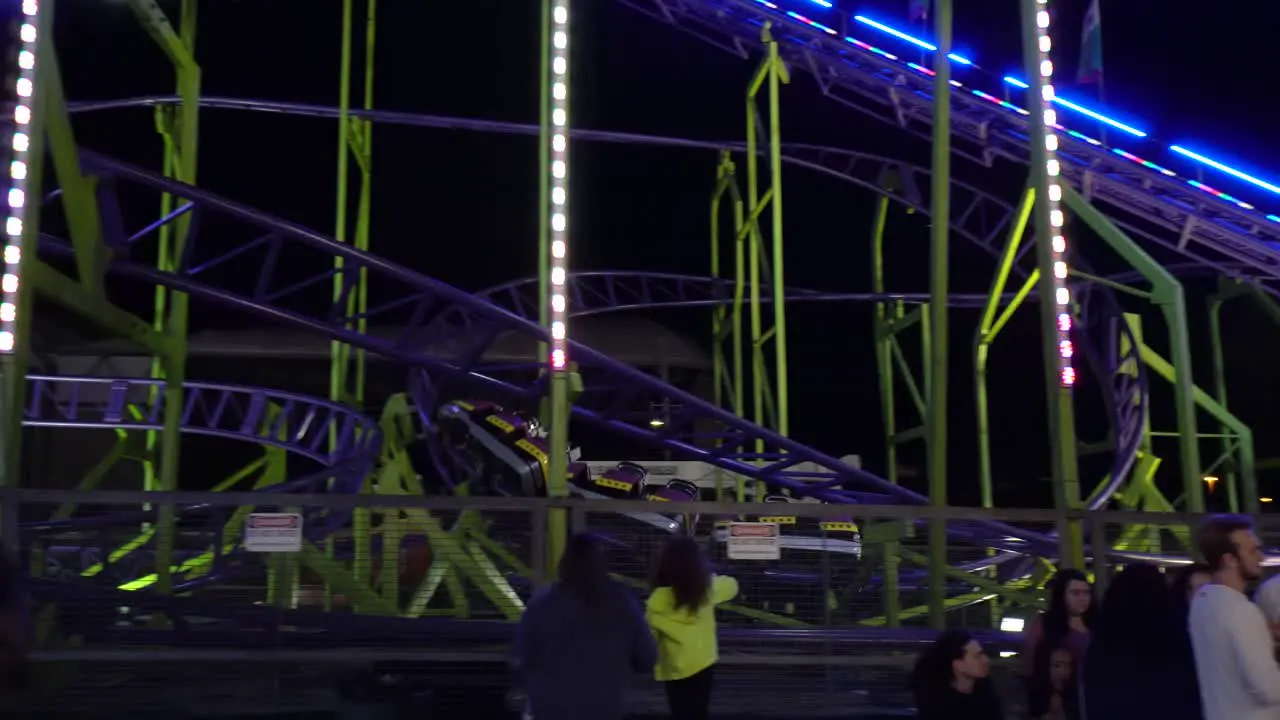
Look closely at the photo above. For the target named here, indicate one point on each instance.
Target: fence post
(1100, 549)
(538, 531)
(9, 536)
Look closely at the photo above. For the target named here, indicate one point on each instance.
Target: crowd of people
(1193, 649)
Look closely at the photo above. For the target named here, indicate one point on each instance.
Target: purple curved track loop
(433, 297)
(229, 411)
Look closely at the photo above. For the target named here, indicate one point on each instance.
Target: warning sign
(754, 541)
(273, 532)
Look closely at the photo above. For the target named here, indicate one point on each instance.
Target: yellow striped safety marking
(615, 484)
(780, 520)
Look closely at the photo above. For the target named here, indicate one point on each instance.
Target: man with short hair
(1235, 660)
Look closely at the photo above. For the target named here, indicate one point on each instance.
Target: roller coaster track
(295, 423)
(261, 287)
(1237, 241)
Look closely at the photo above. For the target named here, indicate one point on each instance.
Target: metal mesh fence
(405, 604)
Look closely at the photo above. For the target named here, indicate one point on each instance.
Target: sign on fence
(273, 532)
(754, 541)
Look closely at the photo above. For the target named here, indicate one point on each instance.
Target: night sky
(462, 207)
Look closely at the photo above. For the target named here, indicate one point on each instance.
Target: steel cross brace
(270, 291)
(984, 129)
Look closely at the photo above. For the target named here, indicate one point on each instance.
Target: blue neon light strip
(1064, 102)
(1225, 168)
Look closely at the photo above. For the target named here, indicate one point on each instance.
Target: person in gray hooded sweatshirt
(581, 640)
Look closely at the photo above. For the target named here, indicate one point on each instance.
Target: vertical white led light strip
(24, 105)
(1061, 294)
(559, 210)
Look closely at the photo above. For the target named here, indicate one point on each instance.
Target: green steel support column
(1220, 394)
(988, 328)
(338, 352)
(355, 138)
(769, 397)
(726, 323)
(777, 76)
(1166, 293)
(884, 340)
(544, 184)
(79, 201)
(939, 252)
(890, 599)
(1064, 469)
(986, 333)
(755, 205)
(363, 142)
(557, 222)
(13, 365)
(180, 48)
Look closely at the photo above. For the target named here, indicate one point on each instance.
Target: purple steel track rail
(301, 424)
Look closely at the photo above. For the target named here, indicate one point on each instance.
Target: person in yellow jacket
(681, 611)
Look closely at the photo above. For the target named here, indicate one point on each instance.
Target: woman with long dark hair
(681, 611)
(1139, 663)
(951, 680)
(580, 641)
(1067, 621)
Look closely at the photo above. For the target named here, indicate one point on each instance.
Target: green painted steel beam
(985, 334)
(1064, 469)
(347, 366)
(180, 132)
(79, 192)
(74, 296)
(1243, 434)
(939, 289)
(1168, 295)
(13, 365)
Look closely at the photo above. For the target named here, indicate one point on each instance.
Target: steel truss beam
(1191, 221)
(228, 411)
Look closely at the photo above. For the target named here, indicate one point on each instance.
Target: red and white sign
(273, 532)
(754, 541)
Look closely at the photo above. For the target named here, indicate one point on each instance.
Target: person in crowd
(681, 612)
(15, 670)
(1139, 663)
(1234, 653)
(1065, 624)
(1054, 694)
(1267, 598)
(1188, 580)
(951, 680)
(580, 641)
